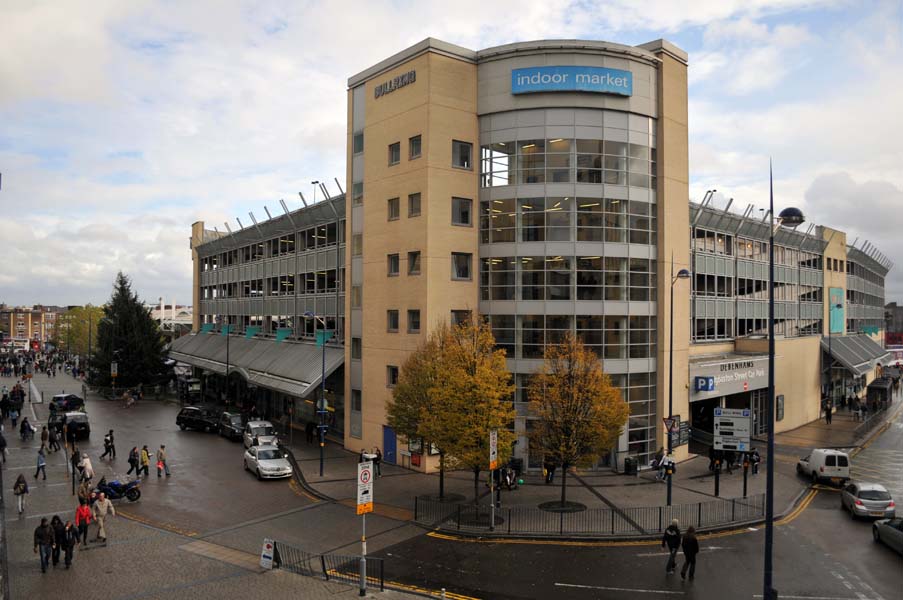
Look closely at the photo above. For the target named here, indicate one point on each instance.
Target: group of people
(11, 400)
(731, 460)
(674, 541)
(139, 461)
(376, 456)
(50, 539)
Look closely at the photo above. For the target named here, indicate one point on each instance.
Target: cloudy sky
(121, 123)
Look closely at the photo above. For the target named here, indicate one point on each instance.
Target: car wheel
(182, 427)
(814, 478)
(875, 535)
(259, 478)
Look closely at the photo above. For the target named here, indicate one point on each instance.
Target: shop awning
(293, 368)
(858, 353)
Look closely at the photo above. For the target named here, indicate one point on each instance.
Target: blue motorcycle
(116, 490)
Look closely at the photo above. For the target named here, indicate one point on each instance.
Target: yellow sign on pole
(365, 487)
(365, 508)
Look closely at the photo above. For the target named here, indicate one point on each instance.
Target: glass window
(358, 143)
(498, 221)
(459, 317)
(414, 147)
(357, 193)
(558, 278)
(533, 219)
(532, 335)
(462, 209)
(414, 205)
(357, 244)
(531, 161)
(391, 376)
(394, 153)
(392, 320)
(414, 263)
(558, 219)
(356, 400)
(356, 298)
(394, 209)
(498, 164)
(462, 155)
(356, 348)
(393, 264)
(461, 265)
(532, 277)
(413, 321)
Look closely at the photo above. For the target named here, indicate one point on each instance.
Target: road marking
(617, 589)
(858, 597)
(299, 491)
(156, 525)
(705, 549)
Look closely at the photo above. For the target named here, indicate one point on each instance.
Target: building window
(461, 265)
(413, 321)
(459, 317)
(356, 348)
(358, 143)
(392, 321)
(357, 193)
(394, 153)
(357, 244)
(356, 296)
(462, 155)
(356, 400)
(414, 147)
(391, 376)
(462, 211)
(393, 262)
(414, 263)
(414, 205)
(394, 209)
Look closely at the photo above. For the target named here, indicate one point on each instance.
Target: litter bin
(630, 465)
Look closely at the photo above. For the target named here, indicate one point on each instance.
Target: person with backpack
(109, 449)
(20, 490)
(672, 539)
(133, 462)
(691, 549)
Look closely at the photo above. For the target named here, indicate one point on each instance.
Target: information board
(365, 487)
(732, 426)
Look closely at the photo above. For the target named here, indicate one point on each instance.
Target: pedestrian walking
(548, 468)
(70, 539)
(45, 435)
(102, 508)
(74, 460)
(108, 448)
(378, 460)
(691, 549)
(145, 462)
(829, 410)
(309, 431)
(671, 538)
(59, 538)
(14, 417)
(20, 490)
(729, 461)
(53, 437)
(42, 464)
(83, 518)
(133, 462)
(363, 456)
(86, 467)
(43, 542)
(161, 461)
(3, 446)
(754, 460)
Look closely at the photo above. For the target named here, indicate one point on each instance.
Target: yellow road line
(404, 586)
(299, 491)
(164, 526)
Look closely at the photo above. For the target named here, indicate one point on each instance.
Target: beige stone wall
(197, 238)
(837, 249)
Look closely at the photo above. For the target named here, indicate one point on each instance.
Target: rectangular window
(392, 266)
(357, 193)
(358, 143)
(394, 209)
(462, 211)
(414, 205)
(461, 266)
(413, 321)
(414, 147)
(356, 348)
(357, 244)
(356, 400)
(394, 153)
(414, 263)
(462, 155)
(392, 321)
(391, 376)
(356, 296)
(459, 317)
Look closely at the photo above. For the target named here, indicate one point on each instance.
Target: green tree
(128, 335)
(73, 327)
(580, 414)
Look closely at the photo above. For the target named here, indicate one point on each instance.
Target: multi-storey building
(34, 325)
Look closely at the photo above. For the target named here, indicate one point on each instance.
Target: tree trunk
(476, 486)
(441, 476)
(564, 483)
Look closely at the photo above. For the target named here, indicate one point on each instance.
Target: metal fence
(331, 567)
(592, 522)
(873, 418)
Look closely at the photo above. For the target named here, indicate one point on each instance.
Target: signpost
(266, 554)
(732, 427)
(493, 465)
(364, 506)
(114, 372)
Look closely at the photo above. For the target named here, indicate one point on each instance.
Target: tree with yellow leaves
(580, 414)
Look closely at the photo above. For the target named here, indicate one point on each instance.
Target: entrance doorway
(389, 445)
(702, 414)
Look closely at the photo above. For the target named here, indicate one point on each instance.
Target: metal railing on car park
(592, 522)
(330, 567)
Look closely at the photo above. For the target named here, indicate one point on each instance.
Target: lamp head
(683, 274)
(308, 315)
(791, 217)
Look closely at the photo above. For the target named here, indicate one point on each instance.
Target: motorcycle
(115, 490)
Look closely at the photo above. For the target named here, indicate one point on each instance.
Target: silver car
(267, 462)
(259, 433)
(867, 500)
(889, 531)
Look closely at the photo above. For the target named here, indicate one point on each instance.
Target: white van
(825, 464)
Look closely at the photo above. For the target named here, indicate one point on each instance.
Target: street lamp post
(682, 274)
(791, 217)
(321, 405)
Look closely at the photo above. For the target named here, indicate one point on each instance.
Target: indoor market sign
(571, 79)
(393, 84)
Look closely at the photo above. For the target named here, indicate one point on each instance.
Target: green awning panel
(859, 354)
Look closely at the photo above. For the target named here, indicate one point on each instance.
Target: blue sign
(705, 384)
(836, 314)
(572, 79)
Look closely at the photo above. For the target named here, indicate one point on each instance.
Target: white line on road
(704, 549)
(620, 589)
(858, 597)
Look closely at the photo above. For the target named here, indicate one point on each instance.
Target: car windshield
(78, 419)
(262, 431)
(874, 495)
(268, 454)
(235, 420)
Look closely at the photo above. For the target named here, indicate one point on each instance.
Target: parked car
(230, 425)
(825, 464)
(890, 532)
(867, 500)
(76, 421)
(267, 462)
(196, 417)
(66, 402)
(259, 433)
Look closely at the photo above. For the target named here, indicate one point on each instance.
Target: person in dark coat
(133, 462)
(691, 549)
(70, 540)
(378, 461)
(309, 430)
(59, 538)
(3, 446)
(43, 542)
(672, 539)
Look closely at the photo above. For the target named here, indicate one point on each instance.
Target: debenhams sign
(393, 84)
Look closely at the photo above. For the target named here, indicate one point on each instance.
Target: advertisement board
(599, 80)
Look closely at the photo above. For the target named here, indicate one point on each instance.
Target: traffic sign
(493, 450)
(114, 369)
(266, 554)
(365, 487)
(732, 427)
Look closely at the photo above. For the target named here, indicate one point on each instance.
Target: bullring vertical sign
(572, 79)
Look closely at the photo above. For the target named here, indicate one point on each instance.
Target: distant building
(893, 323)
(29, 323)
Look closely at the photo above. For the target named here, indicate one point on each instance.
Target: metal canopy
(292, 368)
(858, 353)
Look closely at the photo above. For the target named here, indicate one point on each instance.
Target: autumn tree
(580, 414)
(71, 328)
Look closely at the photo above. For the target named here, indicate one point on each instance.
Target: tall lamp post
(682, 274)
(321, 404)
(789, 217)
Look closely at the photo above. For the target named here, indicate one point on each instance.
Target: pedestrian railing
(874, 416)
(592, 522)
(330, 567)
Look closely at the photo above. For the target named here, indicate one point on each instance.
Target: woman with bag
(20, 489)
